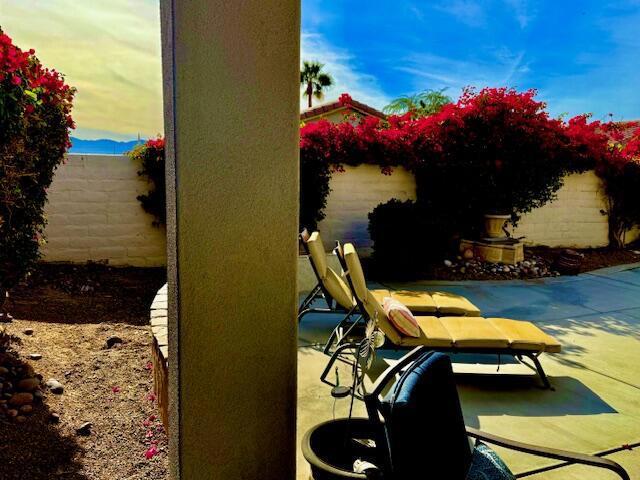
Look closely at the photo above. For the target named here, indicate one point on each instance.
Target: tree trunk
(310, 93)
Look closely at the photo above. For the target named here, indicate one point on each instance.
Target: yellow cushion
(452, 304)
(525, 335)
(338, 289)
(416, 301)
(432, 334)
(379, 294)
(318, 254)
(474, 332)
(355, 272)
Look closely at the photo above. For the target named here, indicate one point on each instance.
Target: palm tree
(420, 104)
(314, 80)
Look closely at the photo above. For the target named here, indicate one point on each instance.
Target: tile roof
(337, 105)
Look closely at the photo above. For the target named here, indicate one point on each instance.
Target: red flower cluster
(37, 86)
(491, 123)
(157, 143)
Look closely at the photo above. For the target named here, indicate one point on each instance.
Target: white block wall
(354, 194)
(93, 214)
(574, 219)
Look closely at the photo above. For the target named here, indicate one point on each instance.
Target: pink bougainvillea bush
(151, 158)
(495, 150)
(35, 118)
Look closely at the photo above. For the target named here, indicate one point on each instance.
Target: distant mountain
(102, 146)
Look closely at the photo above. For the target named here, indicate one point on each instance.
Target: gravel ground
(108, 387)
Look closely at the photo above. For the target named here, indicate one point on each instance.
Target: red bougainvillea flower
(115, 389)
(345, 99)
(149, 365)
(151, 397)
(151, 452)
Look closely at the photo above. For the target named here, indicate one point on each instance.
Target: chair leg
(333, 359)
(540, 371)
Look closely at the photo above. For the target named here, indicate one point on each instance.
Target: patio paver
(596, 405)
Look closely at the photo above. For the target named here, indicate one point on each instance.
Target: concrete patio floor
(596, 404)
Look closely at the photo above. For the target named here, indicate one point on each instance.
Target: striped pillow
(401, 317)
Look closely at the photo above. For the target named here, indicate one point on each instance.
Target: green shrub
(405, 238)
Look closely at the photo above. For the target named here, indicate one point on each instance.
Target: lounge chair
(497, 336)
(338, 297)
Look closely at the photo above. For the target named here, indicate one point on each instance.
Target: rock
(84, 429)
(12, 413)
(3, 371)
(35, 356)
(54, 417)
(18, 399)
(55, 386)
(38, 395)
(21, 419)
(463, 270)
(506, 269)
(26, 409)
(467, 254)
(113, 340)
(526, 263)
(28, 331)
(28, 384)
(448, 263)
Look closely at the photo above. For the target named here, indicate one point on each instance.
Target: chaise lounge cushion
(432, 334)
(526, 336)
(335, 286)
(452, 304)
(474, 332)
(417, 302)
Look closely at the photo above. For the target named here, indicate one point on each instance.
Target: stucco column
(231, 72)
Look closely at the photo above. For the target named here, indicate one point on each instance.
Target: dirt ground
(72, 311)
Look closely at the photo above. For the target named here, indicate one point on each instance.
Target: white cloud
(343, 67)
(523, 12)
(469, 12)
(432, 71)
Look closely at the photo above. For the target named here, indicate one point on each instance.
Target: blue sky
(582, 56)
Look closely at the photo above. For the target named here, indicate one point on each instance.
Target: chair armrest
(569, 457)
(391, 372)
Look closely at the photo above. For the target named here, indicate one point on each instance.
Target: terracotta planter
(494, 224)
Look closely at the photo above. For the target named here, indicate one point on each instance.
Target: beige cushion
(338, 289)
(318, 254)
(525, 335)
(355, 272)
(474, 332)
(380, 294)
(416, 301)
(432, 334)
(452, 304)
(401, 317)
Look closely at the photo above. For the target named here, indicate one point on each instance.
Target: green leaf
(31, 94)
